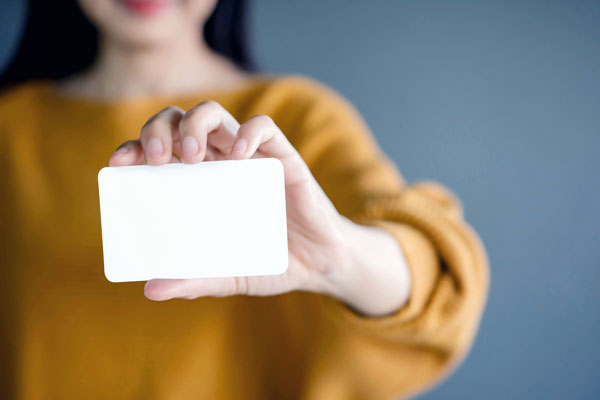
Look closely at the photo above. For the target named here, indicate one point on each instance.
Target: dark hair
(59, 40)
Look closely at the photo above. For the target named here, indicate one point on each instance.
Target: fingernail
(154, 148)
(189, 146)
(240, 146)
(121, 150)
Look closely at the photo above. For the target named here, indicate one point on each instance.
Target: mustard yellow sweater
(67, 333)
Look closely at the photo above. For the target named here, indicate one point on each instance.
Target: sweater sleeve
(433, 332)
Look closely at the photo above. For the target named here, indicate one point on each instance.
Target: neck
(181, 67)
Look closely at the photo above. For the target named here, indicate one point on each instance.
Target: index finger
(160, 135)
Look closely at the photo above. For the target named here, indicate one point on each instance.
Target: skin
(359, 265)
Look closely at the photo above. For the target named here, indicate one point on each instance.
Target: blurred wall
(12, 19)
(500, 101)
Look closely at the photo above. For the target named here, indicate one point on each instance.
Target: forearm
(376, 280)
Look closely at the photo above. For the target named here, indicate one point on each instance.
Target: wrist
(373, 278)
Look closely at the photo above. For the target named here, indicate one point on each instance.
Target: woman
(386, 282)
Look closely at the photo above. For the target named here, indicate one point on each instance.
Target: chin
(144, 33)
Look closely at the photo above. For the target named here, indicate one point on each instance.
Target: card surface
(211, 219)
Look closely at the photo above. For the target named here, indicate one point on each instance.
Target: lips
(145, 7)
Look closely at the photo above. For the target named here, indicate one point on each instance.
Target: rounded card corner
(103, 171)
(277, 165)
(277, 161)
(284, 268)
(109, 277)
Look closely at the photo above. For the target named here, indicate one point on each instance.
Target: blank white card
(211, 219)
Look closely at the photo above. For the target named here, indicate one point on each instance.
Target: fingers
(187, 133)
(206, 118)
(259, 135)
(129, 153)
(261, 132)
(155, 145)
(160, 134)
(166, 289)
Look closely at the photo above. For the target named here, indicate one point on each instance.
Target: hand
(322, 255)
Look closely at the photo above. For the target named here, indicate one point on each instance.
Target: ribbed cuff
(443, 254)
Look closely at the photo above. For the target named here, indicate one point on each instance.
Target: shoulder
(21, 108)
(19, 104)
(23, 95)
(302, 90)
(297, 101)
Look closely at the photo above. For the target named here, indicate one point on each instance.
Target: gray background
(500, 101)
